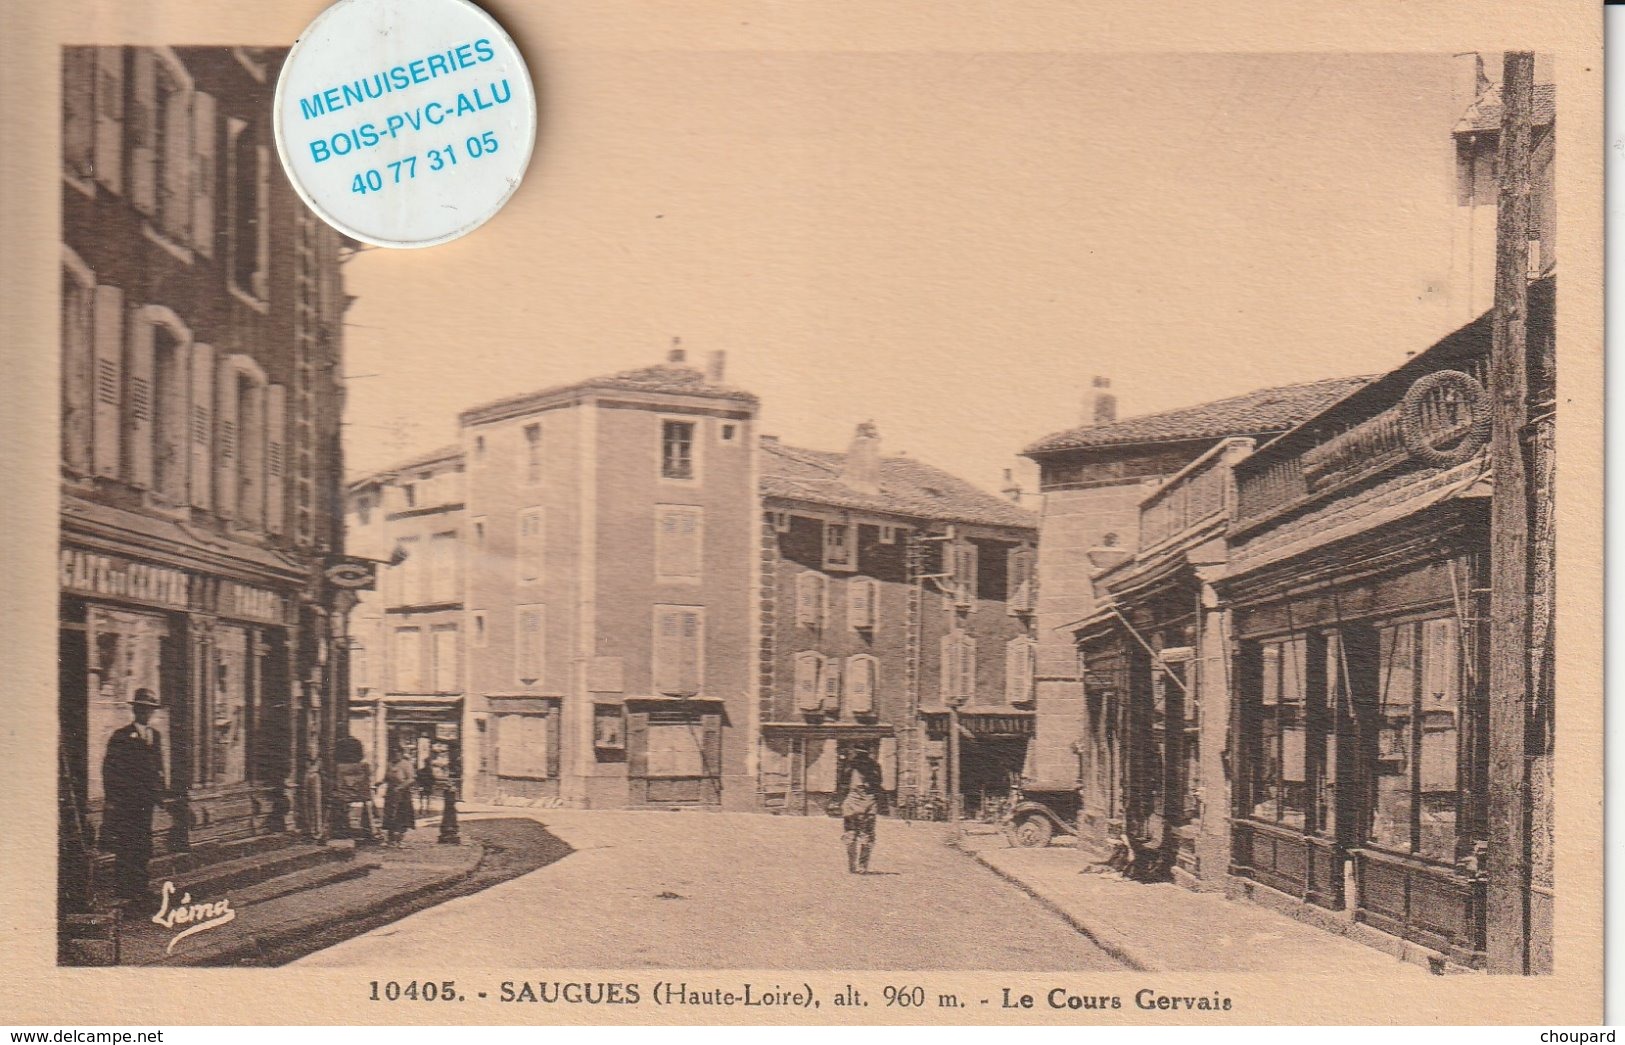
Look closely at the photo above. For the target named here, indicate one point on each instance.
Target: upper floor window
(1018, 670)
(679, 541)
(530, 643)
(839, 553)
(409, 494)
(78, 362)
(161, 151)
(533, 453)
(79, 113)
(677, 450)
(679, 650)
(443, 573)
(962, 566)
(532, 544)
(810, 597)
(248, 204)
(863, 603)
(1021, 579)
(408, 660)
(809, 680)
(862, 679)
(958, 675)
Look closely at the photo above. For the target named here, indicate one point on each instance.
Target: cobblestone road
(733, 891)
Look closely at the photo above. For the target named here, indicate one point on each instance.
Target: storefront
(219, 653)
(427, 728)
(993, 755)
(803, 762)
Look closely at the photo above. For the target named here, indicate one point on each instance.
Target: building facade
(200, 549)
(407, 636)
(891, 591)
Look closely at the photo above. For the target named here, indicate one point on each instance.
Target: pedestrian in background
(861, 791)
(398, 815)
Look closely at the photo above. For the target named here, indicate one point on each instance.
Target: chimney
(676, 355)
(1012, 489)
(715, 367)
(1102, 405)
(862, 471)
(1467, 81)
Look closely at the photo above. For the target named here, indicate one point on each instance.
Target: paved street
(734, 891)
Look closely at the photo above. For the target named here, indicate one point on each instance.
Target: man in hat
(861, 792)
(133, 777)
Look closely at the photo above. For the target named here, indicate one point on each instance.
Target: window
(532, 544)
(862, 680)
(962, 568)
(809, 681)
(408, 660)
(1018, 670)
(608, 729)
(409, 495)
(109, 144)
(677, 450)
(728, 432)
(1021, 579)
(360, 668)
(443, 568)
(78, 357)
(679, 541)
(839, 553)
(402, 575)
(888, 535)
(248, 210)
(522, 746)
(679, 650)
(1418, 732)
(479, 532)
(530, 644)
(161, 153)
(478, 620)
(862, 603)
(958, 668)
(240, 419)
(79, 112)
(533, 454)
(810, 592)
(676, 749)
(479, 447)
(1280, 780)
(446, 677)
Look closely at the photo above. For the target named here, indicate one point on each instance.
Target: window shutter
(176, 192)
(138, 404)
(203, 172)
(810, 599)
(860, 685)
(808, 694)
(948, 654)
(711, 749)
(637, 744)
(693, 652)
(262, 223)
(668, 652)
(226, 439)
(144, 132)
(110, 117)
(276, 457)
(79, 110)
(107, 423)
(967, 669)
(553, 731)
(200, 430)
(965, 573)
(78, 372)
(860, 603)
(832, 685)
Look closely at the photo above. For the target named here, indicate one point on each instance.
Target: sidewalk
(1162, 927)
(311, 903)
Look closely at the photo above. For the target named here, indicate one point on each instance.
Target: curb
(1112, 943)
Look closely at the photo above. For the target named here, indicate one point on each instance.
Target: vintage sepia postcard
(911, 513)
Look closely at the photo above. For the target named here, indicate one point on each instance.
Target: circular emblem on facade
(405, 123)
(350, 575)
(1444, 418)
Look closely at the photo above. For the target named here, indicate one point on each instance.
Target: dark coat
(133, 771)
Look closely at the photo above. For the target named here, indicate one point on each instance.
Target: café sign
(115, 577)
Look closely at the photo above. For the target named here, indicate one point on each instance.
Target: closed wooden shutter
(78, 371)
(138, 403)
(967, 669)
(691, 650)
(810, 599)
(110, 117)
(860, 685)
(948, 657)
(965, 568)
(711, 744)
(176, 191)
(78, 110)
(808, 693)
(200, 428)
(276, 458)
(888, 763)
(860, 604)
(832, 685)
(1018, 671)
(204, 172)
(553, 733)
(144, 131)
(226, 439)
(668, 654)
(637, 744)
(107, 424)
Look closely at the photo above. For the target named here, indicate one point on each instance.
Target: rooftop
(1485, 114)
(1262, 412)
(439, 455)
(908, 488)
(669, 378)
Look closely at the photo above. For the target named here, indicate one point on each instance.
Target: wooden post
(1507, 918)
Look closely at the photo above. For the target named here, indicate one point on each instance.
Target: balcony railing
(1194, 495)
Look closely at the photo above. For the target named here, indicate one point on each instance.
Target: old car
(1039, 810)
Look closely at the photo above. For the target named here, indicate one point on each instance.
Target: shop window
(522, 742)
(226, 734)
(408, 660)
(677, 450)
(839, 553)
(1417, 782)
(810, 595)
(676, 749)
(679, 540)
(609, 732)
(530, 644)
(679, 653)
(532, 544)
(533, 454)
(1279, 781)
(127, 651)
(78, 359)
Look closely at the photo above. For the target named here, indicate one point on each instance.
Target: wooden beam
(1507, 922)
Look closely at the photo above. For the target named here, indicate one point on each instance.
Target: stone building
(201, 559)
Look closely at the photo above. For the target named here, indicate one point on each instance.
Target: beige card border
(33, 989)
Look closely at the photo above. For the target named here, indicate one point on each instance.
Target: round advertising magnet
(405, 123)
